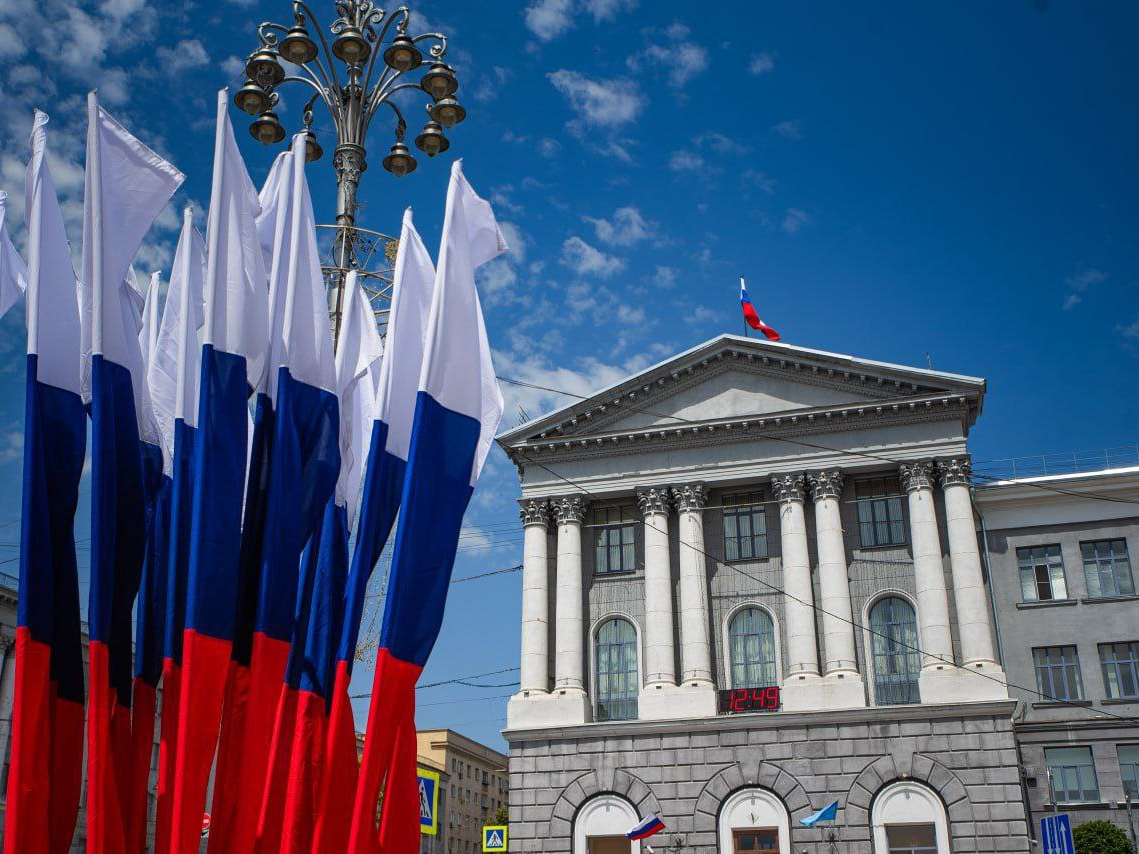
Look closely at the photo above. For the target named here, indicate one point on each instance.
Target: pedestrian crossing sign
(428, 802)
(494, 838)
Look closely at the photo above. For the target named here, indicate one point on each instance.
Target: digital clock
(738, 700)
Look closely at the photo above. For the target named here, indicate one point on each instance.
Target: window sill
(1060, 704)
(1120, 701)
(1082, 805)
(1096, 600)
(764, 559)
(1047, 603)
(625, 573)
(881, 548)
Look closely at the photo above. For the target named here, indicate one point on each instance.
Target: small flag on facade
(827, 813)
(752, 317)
(646, 827)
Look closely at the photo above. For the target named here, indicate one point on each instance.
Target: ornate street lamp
(370, 59)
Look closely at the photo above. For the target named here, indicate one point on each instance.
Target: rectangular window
(1129, 768)
(1107, 568)
(615, 529)
(880, 511)
(1120, 662)
(1073, 774)
(1041, 574)
(745, 527)
(911, 839)
(1058, 673)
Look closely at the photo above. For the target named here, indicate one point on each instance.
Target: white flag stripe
(13, 272)
(51, 278)
(306, 338)
(236, 316)
(412, 289)
(457, 369)
(174, 369)
(358, 354)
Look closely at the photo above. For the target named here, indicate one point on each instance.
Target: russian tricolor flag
(387, 451)
(172, 377)
(752, 317)
(127, 185)
(46, 770)
(228, 793)
(234, 343)
(645, 828)
(458, 408)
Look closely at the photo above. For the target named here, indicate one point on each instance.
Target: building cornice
(805, 422)
(777, 720)
(865, 378)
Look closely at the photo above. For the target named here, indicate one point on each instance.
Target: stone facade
(684, 772)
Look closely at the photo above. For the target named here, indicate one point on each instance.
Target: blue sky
(894, 179)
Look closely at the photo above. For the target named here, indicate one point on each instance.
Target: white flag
(13, 273)
(457, 368)
(358, 354)
(176, 364)
(126, 187)
(51, 278)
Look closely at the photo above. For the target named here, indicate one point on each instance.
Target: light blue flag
(827, 813)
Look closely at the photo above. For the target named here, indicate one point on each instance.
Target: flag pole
(742, 286)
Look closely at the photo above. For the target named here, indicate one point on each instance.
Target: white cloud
(686, 161)
(684, 59)
(794, 219)
(703, 314)
(760, 180)
(720, 143)
(580, 256)
(790, 129)
(1078, 285)
(626, 227)
(599, 103)
(11, 46)
(761, 63)
(186, 54)
(234, 67)
(607, 10)
(548, 19)
(548, 147)
(665, 277)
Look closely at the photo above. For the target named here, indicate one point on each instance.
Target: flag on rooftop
(752, 317)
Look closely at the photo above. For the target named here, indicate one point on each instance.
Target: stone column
(799, 613)
(929, 572)
(660, 654)
(973, 624)
(535, 662)
(695, 649)
(569, 631)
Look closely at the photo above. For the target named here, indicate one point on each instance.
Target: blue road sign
(1056, 834)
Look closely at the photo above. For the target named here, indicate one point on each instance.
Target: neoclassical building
(752, 586)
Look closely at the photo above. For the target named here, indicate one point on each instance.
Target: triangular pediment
(731, 378)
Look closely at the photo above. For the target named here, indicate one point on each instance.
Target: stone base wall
(684, 770)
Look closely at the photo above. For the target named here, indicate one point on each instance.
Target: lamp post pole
(370, 59)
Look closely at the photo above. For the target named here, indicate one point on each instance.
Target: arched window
(894, 644)
(617, 680)
(751, 637)
(908, 818)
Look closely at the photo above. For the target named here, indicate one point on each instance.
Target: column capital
(570, 508)
(691, 497)
(789, 488)
(653, 500)
(916, 475)
(534, 511)
(825, 484)
(955, 471)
